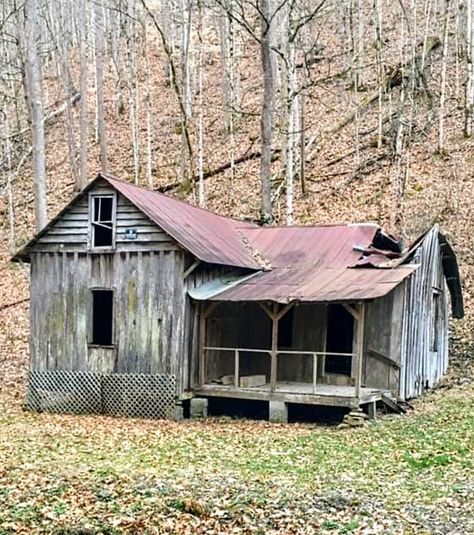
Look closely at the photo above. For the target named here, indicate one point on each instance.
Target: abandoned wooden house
(140, 301)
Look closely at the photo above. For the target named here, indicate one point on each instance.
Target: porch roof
(306, 283)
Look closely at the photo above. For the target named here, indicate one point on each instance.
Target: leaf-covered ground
(83, 474)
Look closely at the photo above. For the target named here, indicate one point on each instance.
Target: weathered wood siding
(71, 233)
(146, 275)
(202, 274)
(149, 308)
(421, 365)
(383, 337)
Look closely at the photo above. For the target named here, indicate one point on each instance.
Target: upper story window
(102, 210)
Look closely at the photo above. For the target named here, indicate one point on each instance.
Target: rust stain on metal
(310, 283)
(306, 263)
(331, 245)
(209, 236)
(323, 263)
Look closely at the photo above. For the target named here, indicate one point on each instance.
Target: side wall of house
(383, 340)
(146, 276)
(424, 353)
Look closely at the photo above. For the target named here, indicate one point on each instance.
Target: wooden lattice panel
(135, 395)
(140, 395)
(64, 391)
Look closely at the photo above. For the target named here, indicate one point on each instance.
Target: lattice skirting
(120, 394)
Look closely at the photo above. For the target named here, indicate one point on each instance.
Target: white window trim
(92, 197)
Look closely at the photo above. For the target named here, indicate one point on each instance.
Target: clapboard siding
(149, 308)
(70, 233)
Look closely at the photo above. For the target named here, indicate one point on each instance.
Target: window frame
(90, 330)
(92, 223)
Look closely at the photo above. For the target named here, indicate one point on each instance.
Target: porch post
(204, 313)
(273, 365)
(360, 349)
(202, 344)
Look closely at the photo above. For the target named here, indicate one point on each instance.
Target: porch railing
(273, 374)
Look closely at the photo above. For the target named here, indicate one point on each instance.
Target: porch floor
(291, 392)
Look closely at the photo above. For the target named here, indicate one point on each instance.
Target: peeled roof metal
(328, 246)
(310, 284)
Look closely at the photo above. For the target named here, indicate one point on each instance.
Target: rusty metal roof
(289, 263)
(310, 283)
(208, 236)
(324, 246)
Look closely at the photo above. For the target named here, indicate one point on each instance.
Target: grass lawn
(79, 474)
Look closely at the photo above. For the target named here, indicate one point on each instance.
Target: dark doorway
(102, 317)
(340, 333)
(285, 330)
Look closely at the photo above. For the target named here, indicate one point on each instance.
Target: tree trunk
(34, 93)
(83, 128)
(267, 112)
(469, 107)
(442, 96)
(99, 81)
(201, 190)
(149, 115)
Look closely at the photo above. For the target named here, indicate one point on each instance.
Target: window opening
(435, 322)
(102, 221)
(102, 317)
(339, 337)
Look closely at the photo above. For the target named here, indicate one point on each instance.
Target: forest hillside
(291, 112)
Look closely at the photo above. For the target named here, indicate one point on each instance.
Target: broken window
(102, 221)
(285, 330)
(340, 333)
(102, 317)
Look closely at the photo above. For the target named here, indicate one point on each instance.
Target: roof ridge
(107, 176)
(322, 225)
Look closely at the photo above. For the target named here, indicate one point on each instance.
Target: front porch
(295, 353)
(289, 392)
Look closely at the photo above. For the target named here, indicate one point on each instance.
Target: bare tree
(469, 107)
(444, 64)
(34, 95)
(101, 128)
(201, 190)
(83, 123)
(266, 120)
(187, 151)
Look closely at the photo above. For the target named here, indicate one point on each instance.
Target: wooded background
(286, 111)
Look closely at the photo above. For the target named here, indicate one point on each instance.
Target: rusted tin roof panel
(210, 237)
(328, 246)
(309, 283)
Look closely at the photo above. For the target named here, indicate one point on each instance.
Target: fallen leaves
(93, 474)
